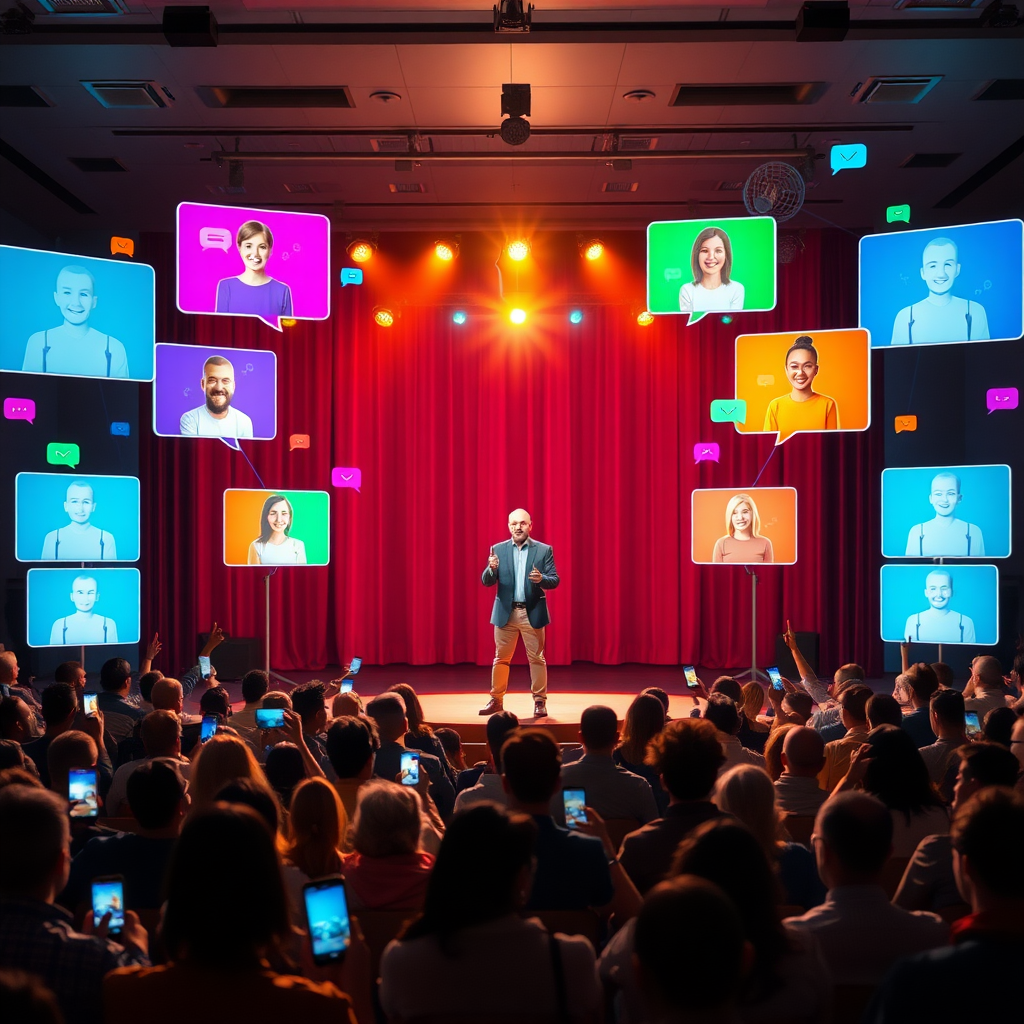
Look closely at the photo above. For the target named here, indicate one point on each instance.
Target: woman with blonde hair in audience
(748, 794)
(220, 760)
(388, 869)
(753, 734)
(773, 750)
(645, 718)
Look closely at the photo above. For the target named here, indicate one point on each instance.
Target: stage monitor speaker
(189, 26)
(235, 656)
(823, 21)
(808, 644)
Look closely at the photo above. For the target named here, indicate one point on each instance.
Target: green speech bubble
(728, 410)
(63, 454)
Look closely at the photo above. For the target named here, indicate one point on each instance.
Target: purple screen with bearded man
(203, 391)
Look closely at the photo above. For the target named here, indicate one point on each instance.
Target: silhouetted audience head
(747, 793)
(413, 709)
(146, 683)
(71, 749)
(34, 837)
(254, 793)
(921, 682)
(351, 744)
(897, 774)
(944, 675)
(59, 705)
(499, 727)
(284, 769)
(687, 755)
(220, 760)
(800, 704)
(16, 719)
(255, 685)
(657, 691)
(161, 734)
(983, 764)
(451, 743)
(599, 728)
(167, 694)
(947, 709)
(277, 700)
(998, 726)
(12, 755)
(854, 702)
(773, 748)
(215, 701)
(157, 793)
(388, 711)
(645, 718)
(531, 764)
(852, 839)
(988, 848)
(387, 819)
(884, 709)
(308, 704)
(730, 687)
(723, 713)
(803, 752)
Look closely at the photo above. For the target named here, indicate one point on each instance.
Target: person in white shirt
(275, 545)
(941, 315)
(712, 289)
(945, 536)
(217, 418)
(79, 540)
(84, 626)
(985, 690)
(939, 624)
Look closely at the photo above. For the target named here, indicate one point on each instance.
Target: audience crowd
(815, 853)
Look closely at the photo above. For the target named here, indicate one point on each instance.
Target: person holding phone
(523, 570)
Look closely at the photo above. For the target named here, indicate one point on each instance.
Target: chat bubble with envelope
(270, 264)
(743, 526)
(821, 382)
(728, 410)
(725, 265)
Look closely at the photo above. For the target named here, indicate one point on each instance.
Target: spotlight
(517, 316)
(361, 250)
(590, 248)
(645, 318)
(459, 317)
(446, 249)
(576, 316)
(382, 316)
(518, 249)
(515, 130)
(288, 323)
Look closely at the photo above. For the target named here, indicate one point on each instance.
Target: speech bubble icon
(843, 158)
(998, 399)
(895, 213)
(351, 275)
(695, 316)
(905, 423)
(298, 441)
(19, 409)
(765, 380)
(347, 476)
(66, 454)
(232, 443)
(215, 238)
(705, 451)
(673, 273)
(728, 410)
(121, 246)
(120, 429)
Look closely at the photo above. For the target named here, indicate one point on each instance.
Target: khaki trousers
(505, 639)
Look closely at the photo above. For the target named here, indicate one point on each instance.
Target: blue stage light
(726, 319)
(576, 316)
(459, 317)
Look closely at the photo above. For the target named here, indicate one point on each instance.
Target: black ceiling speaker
(823, 21)
(190, 26)
(515, 101)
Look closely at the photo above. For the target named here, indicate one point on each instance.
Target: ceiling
(444, 66)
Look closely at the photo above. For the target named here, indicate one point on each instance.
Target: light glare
(518, 250)
(518, 316)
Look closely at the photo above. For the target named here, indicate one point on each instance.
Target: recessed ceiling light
(385, 96)
(638, 95)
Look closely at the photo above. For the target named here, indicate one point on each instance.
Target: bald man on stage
(523, 569)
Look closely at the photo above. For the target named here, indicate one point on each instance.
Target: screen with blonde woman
(755, 526)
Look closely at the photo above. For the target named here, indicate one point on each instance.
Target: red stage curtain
(589, 427)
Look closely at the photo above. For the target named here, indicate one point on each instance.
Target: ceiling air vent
(390, 144)
(299, 187)
(772, 94)
(128, 95)
(896, 89)
(250, 97)
(98, 164)
(407, 186)
(637, 143)
(22, 96)
(619, 186)
(930, 160)
(1003, 89)
(83, 8)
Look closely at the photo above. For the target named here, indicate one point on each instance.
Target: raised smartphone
(775, 676)
(692, 682)
(327, 919)
(575, 802)
(269, 718)
(204, 666)
(108, 896)
(208, 729)
(410, 768)
(90, 703)
(82, 799)
(972, 723)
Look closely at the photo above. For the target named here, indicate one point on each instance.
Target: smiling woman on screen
(274, 545)
(712, 289)
(743, 543)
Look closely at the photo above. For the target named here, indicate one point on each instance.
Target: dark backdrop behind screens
(79, 410)
(945, 387)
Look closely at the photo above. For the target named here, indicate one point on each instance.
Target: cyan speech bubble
(1000, 399)
(215, 238)
(20, 409)
(728, 410)
(63, 454)
(120, 429)
(895, 213)
(705, 451)
(347, 476)
(351, 275)
(843, 158)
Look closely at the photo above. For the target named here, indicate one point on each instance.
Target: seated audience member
(861, 934)
(35, 935)
(687, 756)
(387, 869)
(119, 713)
(444, 965)
(985, 689)
(785, 979)
(662, 695)
(214, 701)
(610, 789)
(645, 718)
(59, 709)
(210, 941)
(947, 720)
(920, 683)
(71, 672)
(348, 703)
(308, 703)
(723, 713)
(158, 798)
(9, 672)
(575, 868)
(729, 686)
(75, 749)
(944, 675)
(257, 795)
(748, 795)
(168, 695)
(853, 702)
(890, 767)
(146, 683)
(928, 882)
(978, 977)
(884, 709)
(255, 686)
(451, 742)
(160, 732)
(773, 750)
(997, 726)
(753, 733)
(489, 785)
(220, 760)
(12, 755)
(388, 711)
(284, 769)
(278, 699)
(27, 1000)
(803, 757)
(790, 706)
(17, 722)
(420, 736)
(826, 719)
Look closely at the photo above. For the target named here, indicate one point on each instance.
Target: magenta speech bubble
(705, 451)
(19, 409)
(347, 476)
(998, 399)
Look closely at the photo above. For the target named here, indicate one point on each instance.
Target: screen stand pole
(755, 674)
(266, 635)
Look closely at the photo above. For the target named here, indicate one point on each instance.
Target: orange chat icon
(121, 246)
(298, 441)
(905, 423)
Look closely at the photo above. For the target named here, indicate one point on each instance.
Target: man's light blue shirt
(519, 556)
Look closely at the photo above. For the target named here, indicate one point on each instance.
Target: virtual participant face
(255, 251)
(939, 268)
(84, 593)
(944, 495)
(80, 504)
(801, 369)
(75, 296)
(938, 588)
(219, 386)
(711, 256)
(742, 518)
(279, 517)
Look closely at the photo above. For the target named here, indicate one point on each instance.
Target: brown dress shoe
(493, 707)
(540, 709)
